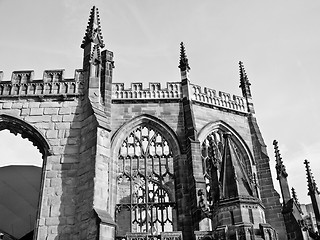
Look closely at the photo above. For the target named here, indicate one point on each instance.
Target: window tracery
(146, 197)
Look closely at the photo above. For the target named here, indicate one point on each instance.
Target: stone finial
(93, 32)
(281, 169)
(183, 63)
(244, 81)
(312, 186)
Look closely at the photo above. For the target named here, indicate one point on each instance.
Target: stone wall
(84, 127)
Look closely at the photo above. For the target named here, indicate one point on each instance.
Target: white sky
(278, 41)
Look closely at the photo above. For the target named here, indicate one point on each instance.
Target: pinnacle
(281, 169)
(93, 32)
(244, 82)
(183, 64)
(312, 186)
(243, 75)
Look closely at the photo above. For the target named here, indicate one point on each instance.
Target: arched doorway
(23, 151)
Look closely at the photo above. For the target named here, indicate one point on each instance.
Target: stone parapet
(52, 83)
(155, 91)
(173, 90)
(222, 99)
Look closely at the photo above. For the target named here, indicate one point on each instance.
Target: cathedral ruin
(165, 161)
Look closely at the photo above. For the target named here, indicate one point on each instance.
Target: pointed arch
(145, 153)
(210, 127)
(15, 126)
(149, 120)
(18, 126)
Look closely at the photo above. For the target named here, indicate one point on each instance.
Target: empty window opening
(20, 179)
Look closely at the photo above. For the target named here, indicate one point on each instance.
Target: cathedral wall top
(173, 90)
(22, 83)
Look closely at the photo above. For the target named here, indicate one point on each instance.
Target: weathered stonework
(80, 126)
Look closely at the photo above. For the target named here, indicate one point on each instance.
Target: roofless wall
(98, 131)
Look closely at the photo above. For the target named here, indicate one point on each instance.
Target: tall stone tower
(159, 162)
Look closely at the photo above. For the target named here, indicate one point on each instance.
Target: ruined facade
(178, 161)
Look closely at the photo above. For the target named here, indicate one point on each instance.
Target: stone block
(36, 111)
(64, 111)
(35, 119)
(34, 105)
(51, 104)
(50, 111)
(17, 105)
(56, 118)
(62, 125)
(52, 134)
(7, 105)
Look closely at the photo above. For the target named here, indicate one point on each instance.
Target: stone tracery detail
(146, 198)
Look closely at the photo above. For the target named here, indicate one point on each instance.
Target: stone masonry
(80, 125)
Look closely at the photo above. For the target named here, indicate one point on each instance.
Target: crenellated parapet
(173, 90)
(220, 99)
(53, 83)
(153, 92)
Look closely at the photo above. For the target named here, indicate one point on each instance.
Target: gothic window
(145, 193)
(212, 153)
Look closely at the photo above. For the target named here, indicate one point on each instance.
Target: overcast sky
(278, 41)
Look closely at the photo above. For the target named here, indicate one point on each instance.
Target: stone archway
(21, 184)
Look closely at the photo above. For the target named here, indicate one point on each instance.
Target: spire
(93, 32)
(245, 88)
(312, 186)
(281, 169)
(244, 81)
(183, 64)
(234, 179)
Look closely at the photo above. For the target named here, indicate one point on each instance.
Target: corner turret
(245, 88)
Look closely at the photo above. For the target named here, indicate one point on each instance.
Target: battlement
(173, 91)
(224, 100)
(52, 83)
(137, 92)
